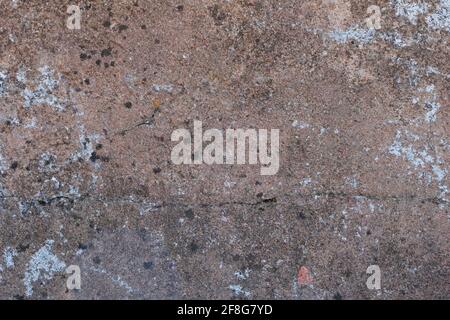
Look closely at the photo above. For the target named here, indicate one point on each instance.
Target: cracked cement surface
(86, 178)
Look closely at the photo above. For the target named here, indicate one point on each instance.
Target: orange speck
(304, 277)
(156, 103)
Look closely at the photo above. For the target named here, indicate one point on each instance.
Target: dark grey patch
(194, 246)
(217, 14)
(106, 52)
(122, 27)
(14, 165)
(337, 296)
(148, 265)
(84, 56)
(156, 170)
(97, 260)
(189, 213)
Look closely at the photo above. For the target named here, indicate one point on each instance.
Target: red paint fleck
(304, 277)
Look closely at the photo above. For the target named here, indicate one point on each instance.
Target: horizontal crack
(268, 201)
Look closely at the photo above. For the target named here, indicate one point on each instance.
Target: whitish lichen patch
(431, 168)
(409, 10)
(431, 104)
(162, 88)
(41, 91)
(8, 256)
(147, 207)
(3, 168)
(239, 291)
(42, 265)
(3, 77)
(87, 145)
(3, 165)
(243, 275)
(300, 124)
(363, 35)
(418, 158)
(115, 279)
(440, 19)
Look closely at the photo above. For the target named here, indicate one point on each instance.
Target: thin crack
(148, 121)
(268, 201)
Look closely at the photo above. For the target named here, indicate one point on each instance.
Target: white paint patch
(43, 264)
(8, 256)
(409, 9)
(440, 19)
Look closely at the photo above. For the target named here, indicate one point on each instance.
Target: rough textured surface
(86, 178)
